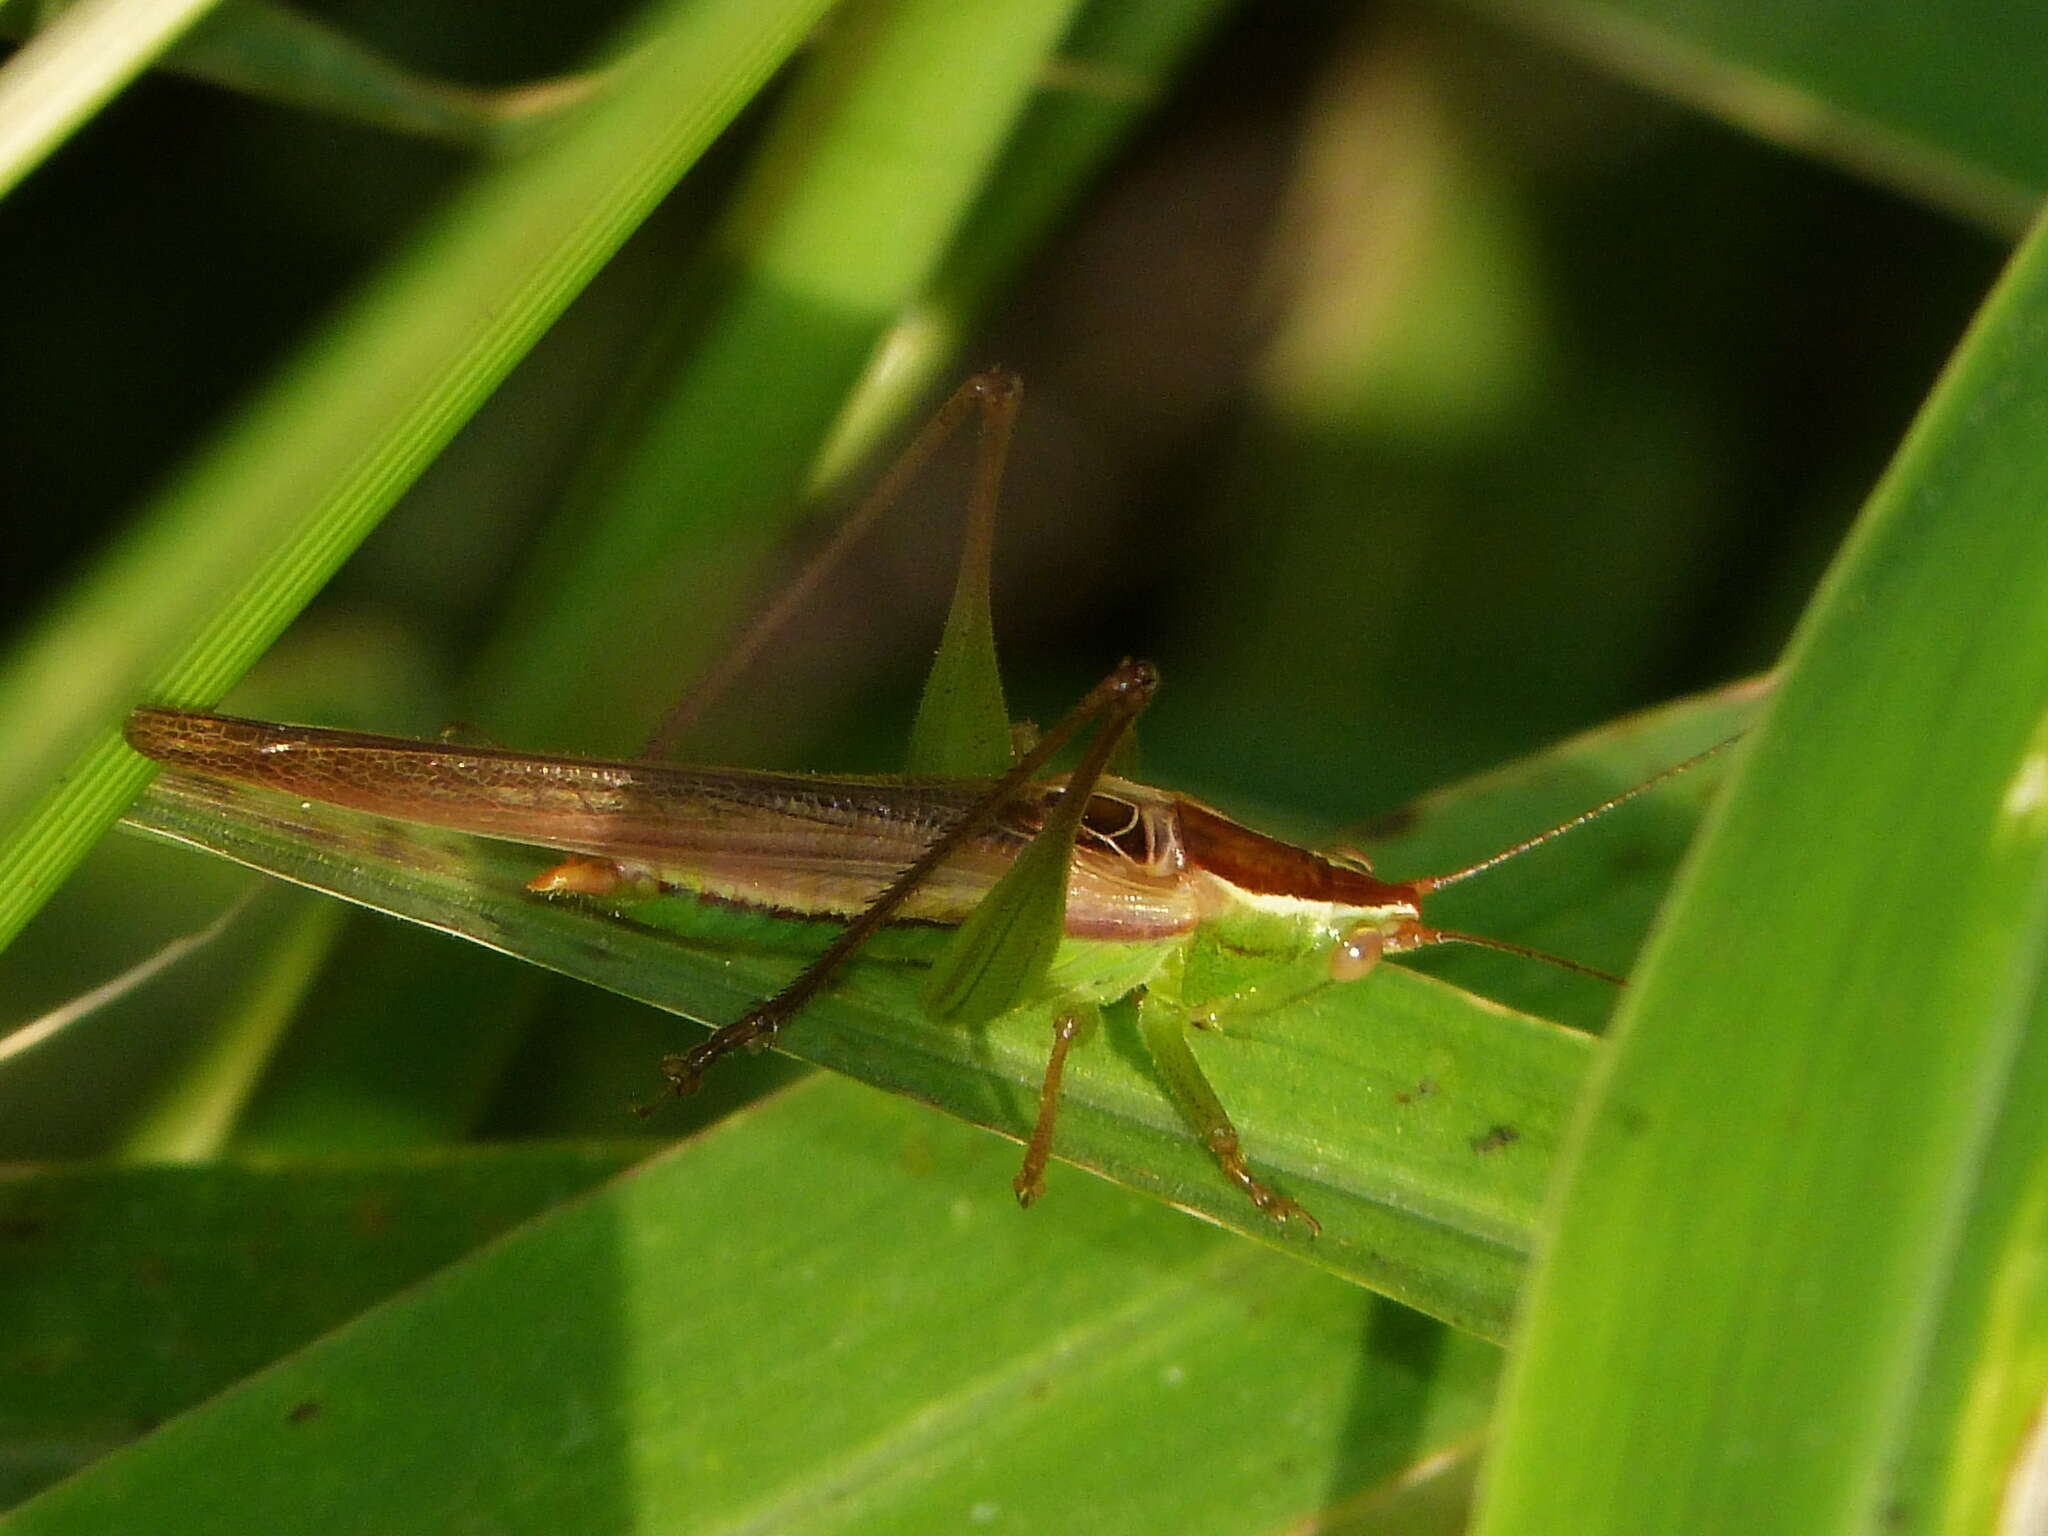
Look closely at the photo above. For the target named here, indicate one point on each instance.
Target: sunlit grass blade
(1808, 1162)
(58, 79)
(222, 560)
(626, 1361)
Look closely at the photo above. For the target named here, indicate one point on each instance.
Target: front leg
(1165, 1029)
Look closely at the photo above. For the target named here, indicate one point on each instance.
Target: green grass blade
(75, 66)
(1936, 99)
(1416, 1121)
(628, 1361)
(1806, 1154)
(242, 1263)
(236, 545)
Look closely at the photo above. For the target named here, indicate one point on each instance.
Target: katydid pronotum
(1064, 893)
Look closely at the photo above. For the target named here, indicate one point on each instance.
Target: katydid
(1063, 894)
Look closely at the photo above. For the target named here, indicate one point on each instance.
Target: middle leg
(1165, 1029)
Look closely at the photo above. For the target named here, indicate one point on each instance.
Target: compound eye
(1357, 953)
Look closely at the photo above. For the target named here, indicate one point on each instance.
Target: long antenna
(1428, 883)
(1424, 938)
